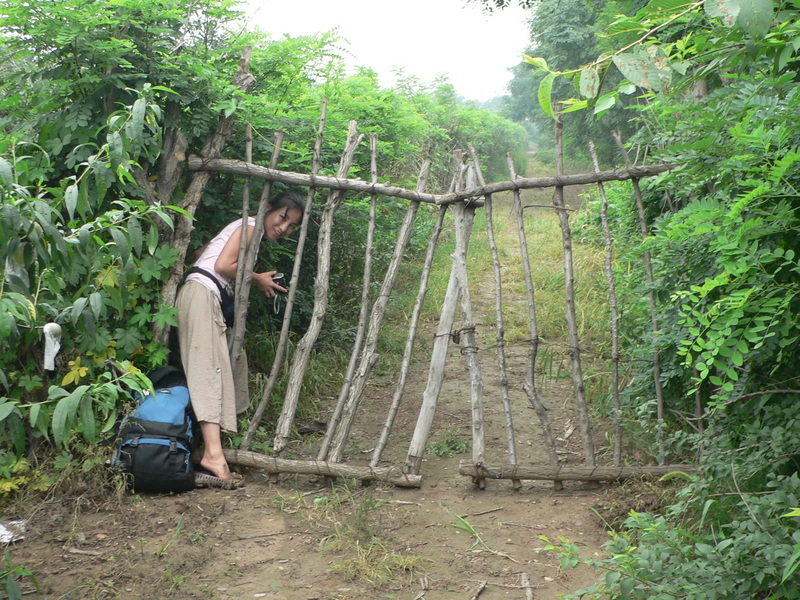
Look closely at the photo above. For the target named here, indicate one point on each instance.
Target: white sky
(424, 37)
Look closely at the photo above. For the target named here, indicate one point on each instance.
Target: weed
(174, 581)
(176, 532)
(462, 524)
(375, 565)
(198, 538)
(449, 443)
(9, 576)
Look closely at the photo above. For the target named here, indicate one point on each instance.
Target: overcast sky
(424, 37)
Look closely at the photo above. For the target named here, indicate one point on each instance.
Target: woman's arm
(228, 262)
(228, 259)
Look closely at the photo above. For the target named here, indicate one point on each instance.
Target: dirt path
(304, 539)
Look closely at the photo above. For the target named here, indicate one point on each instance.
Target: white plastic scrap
(11, 531)
(52, 344)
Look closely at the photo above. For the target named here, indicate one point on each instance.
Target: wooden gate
(468, 193)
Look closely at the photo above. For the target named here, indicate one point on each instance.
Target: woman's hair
(287, 200)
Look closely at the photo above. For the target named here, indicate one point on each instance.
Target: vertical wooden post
(412, 333)
(369, 355)
(502, 363)
(247, 259)
(529, 387)
(305, 345)
(283, 341)
(464, 216)
(361, 329)
(430, 397)
(576, 371)
(648, 269)
(608, 263)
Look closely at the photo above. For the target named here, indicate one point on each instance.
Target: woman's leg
(213, 460)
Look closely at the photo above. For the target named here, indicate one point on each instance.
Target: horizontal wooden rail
(240, 167)
(272, 464)
(567, 472)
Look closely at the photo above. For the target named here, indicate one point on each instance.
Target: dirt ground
(305, 538)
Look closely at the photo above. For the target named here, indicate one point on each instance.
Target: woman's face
(281, 222)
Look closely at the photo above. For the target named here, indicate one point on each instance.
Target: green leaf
(33, 414)
(666, 7)
(648, 67)
(625, 26)
(64, 413)
(626, 587)
(96, 302)
(136, 124)
(77, 310)
(755, 17)
(573, 105)
(727, 10)
(545, 94)
(589, 82)
(6, 172)
(122, 243)
(152, 239)
(116, 148)
(6, 408)
(87, 419)
(71, 199)
(536, 62)
(605, 102)
(135, 234)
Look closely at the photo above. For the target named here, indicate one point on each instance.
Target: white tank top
(208, 259)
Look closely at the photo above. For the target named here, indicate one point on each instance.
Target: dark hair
(287, 200)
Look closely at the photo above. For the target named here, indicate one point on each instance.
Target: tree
(100, 103)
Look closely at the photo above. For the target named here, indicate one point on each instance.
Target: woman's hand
(263, 281)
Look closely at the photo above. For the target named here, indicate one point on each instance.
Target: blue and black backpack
(154, 443)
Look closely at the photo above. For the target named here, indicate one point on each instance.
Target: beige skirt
(217, 393)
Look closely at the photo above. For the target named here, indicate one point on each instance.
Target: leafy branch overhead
(649, 64)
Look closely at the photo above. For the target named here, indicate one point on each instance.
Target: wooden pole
(530, 388)
(568, 472)
(275, 465)
(648, 269)
(500, 331)
(430, 397)
(608, 264)
(305, 345)
(369, 354)
(464, 216)
(361, 329)
(576, 370)
(283, 341)
(247, 261)
(238, 167)
(412, 334)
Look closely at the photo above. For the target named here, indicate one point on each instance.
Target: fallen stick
(272, 464)
(567, 472)
(479, 589)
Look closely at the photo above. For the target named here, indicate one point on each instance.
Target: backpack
(154, 443)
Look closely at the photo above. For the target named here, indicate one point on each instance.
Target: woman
(217, 393)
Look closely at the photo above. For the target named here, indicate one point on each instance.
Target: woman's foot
(218, 468)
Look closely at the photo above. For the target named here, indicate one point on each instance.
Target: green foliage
(10, 575)
(723, 239)
(79, 251)
(449, 443)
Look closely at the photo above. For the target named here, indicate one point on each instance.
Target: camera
(279, 279)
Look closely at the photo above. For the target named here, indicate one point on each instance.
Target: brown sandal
(203, 480)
